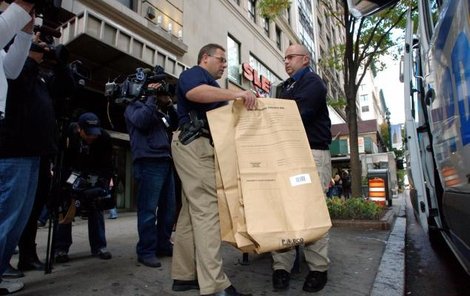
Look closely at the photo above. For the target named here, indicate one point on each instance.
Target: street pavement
(363, 262)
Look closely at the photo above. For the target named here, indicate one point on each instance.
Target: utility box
(379, 186)
(385, 160)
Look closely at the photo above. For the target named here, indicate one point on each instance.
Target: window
(365, 109)
(288, 16)
(252, 10)
(263, 70)
(127, 3)
(266, 26)
(278, 38)
(364, 99)
(233, 54)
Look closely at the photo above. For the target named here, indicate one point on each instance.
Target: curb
(390, 278)
(385, 223)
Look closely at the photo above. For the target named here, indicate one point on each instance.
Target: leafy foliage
(340, 103)
(272, 8)
(366, 40)
(354, 208)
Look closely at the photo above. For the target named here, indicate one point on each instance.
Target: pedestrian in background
(309, 92)
(346, 184)
(197, 261)
(338, 186)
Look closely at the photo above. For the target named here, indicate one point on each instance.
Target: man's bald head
(297, 57)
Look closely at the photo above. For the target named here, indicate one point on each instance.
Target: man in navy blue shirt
(148, 122)
(197, 262)
(309, 92)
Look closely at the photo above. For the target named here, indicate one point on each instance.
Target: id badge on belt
(73, 176)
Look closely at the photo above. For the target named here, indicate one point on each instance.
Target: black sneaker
(104, 254)
(12, 273)
(150, 262)
(35, 264)
(315, 281)
(180, 285)
(281, 279)
(61, 257)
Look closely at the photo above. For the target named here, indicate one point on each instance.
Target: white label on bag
(300, 180)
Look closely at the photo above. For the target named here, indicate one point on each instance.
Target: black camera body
(90, 192)
(135, 86)
(41, 6)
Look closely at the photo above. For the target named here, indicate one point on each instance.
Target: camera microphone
(146, 71)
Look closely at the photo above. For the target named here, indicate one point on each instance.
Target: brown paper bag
(231, 213)
(282, 204)
(283, 198)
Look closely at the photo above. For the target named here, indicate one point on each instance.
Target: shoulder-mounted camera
(135, 86)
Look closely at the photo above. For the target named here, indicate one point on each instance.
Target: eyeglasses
(221, 59)
(290, 56)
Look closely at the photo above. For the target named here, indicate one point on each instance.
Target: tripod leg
(50, 243)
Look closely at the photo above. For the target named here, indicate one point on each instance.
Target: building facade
(110, 39)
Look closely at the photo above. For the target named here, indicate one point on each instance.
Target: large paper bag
(282, 195)
(231, 213)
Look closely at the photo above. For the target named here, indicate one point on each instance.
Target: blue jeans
(96, 233)
(155, 190)
(18, 182)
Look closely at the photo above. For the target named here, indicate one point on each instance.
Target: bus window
(432, 7)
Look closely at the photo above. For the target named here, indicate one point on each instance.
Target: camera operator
(148, 122)
(88, 168)
(28, 133)
(17, 19)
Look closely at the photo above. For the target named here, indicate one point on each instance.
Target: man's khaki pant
(196, 252)
(316, 254)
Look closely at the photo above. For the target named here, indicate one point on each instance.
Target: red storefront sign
(258, 81)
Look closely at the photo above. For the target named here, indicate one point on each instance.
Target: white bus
(436, 76)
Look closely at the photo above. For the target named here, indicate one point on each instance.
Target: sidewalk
(355, 254)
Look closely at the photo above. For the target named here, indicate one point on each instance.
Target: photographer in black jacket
(87, 173)
(28, 133)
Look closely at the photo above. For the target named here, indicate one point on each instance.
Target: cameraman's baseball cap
(90, 123)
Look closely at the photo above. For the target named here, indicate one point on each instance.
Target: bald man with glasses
(309, 92)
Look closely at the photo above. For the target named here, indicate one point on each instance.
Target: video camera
(42, 9)
(89, 191)
(135, 85)
(40, 6)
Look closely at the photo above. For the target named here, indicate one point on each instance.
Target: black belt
(319, 147)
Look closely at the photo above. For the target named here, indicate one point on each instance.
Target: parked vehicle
(436, 76)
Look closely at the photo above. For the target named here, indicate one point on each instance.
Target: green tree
(270, 9)
(367, 39)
